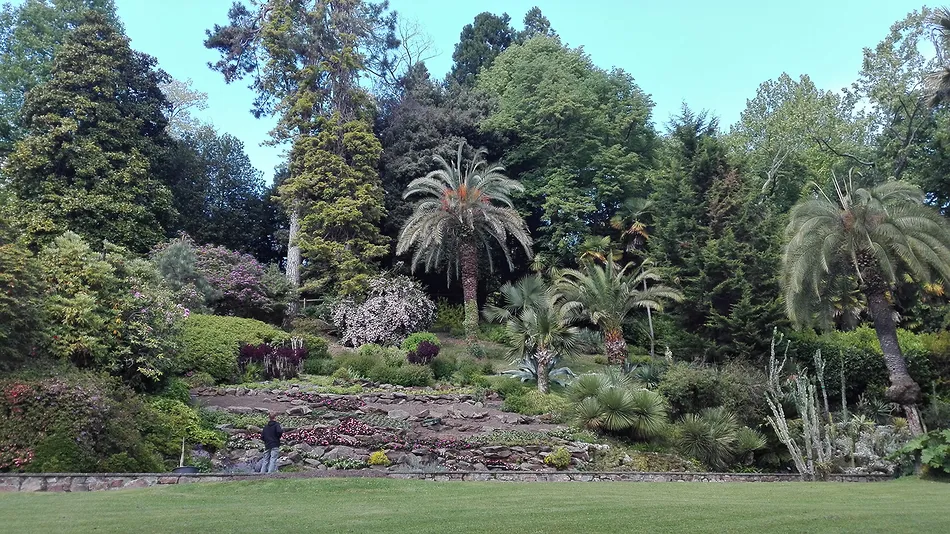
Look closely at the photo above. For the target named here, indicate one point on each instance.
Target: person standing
(271, 436)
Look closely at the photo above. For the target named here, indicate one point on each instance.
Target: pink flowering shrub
(221, 280)
(394, 307)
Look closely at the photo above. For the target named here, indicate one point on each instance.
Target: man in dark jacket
(271, 436)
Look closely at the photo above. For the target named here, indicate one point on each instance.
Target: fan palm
(540, 325)
(865, 237)
(608, 293)
(463, 210)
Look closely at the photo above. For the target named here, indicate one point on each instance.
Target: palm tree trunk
(543, 358)
(293, 265)
(904, 390)
(615, 347)
(468, 257)
(650, 323)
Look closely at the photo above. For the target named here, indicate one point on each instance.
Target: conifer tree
(95, 132)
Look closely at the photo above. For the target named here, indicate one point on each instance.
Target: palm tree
(630, 221)
(865, 237)
(539, 322)
(937, 83)
(463, 211)
(607, 294)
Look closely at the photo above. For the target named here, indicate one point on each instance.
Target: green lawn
(379, 506)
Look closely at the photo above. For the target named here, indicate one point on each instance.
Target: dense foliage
(392, 309)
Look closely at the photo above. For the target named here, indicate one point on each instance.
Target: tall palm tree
(937, 83)
(463, 210)
(865, 237)
(608, 293)
(540, 325)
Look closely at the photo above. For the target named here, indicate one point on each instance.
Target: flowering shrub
(109, 311)
(345, 433)
(394, 307)
(81, 422)
(379, 458)
(276, 361)
(425, 352)
(219, 279)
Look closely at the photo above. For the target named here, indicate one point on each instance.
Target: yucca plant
(865, 237)
(709, 436)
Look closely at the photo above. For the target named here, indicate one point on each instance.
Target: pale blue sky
(711, 55)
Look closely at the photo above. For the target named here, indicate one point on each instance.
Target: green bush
(932, 450)
(448, 317)
(533, 402)
(496, 333)
(691, 388)
(317, 347)
(177, 389)
(559, 459)
(443, 366)
(211, 343)
(859, 353)
(509, 387)
(408, 375)
(411, 343)
(320, 366)
(198, 379)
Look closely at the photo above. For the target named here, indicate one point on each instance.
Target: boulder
(340, 451)
(299, 410)
(240, 409)
(398, 415)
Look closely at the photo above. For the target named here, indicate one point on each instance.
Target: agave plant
(528, 372)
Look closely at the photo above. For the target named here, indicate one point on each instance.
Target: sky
(710, 55)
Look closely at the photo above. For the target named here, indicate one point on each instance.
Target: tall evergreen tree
(95, 139)
(305, 58)
(718, 242)
(479, 44)
(31, 33)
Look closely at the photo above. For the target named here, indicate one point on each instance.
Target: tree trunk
(293, 265)
(904, 390)
(468, 257)
(543, 358)
(615, 347)
(650, 323)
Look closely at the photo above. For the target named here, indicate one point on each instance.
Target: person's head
(272, 415)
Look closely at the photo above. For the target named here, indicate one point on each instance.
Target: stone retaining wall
(65, 482)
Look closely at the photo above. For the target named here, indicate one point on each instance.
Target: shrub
(178, 420)
(443, 366)
(610, 402)
(379, 458)
(932, 450)
(715, 438)
(533, 402)
(407, 375)
(108, 311)
(559, 459)
(319, 366)
(358, 363)
(71, 423)
(177, 389)
(423, 353)
(507, 387)
(274, 361)
(411, 343)
(448, 317)
(198, 379)
(394, 307)
(690, 389)
(496, 333)
(211, 343)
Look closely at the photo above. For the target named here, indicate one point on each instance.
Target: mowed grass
(380, 506)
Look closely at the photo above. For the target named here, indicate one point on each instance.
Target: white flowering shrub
(394, 307)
